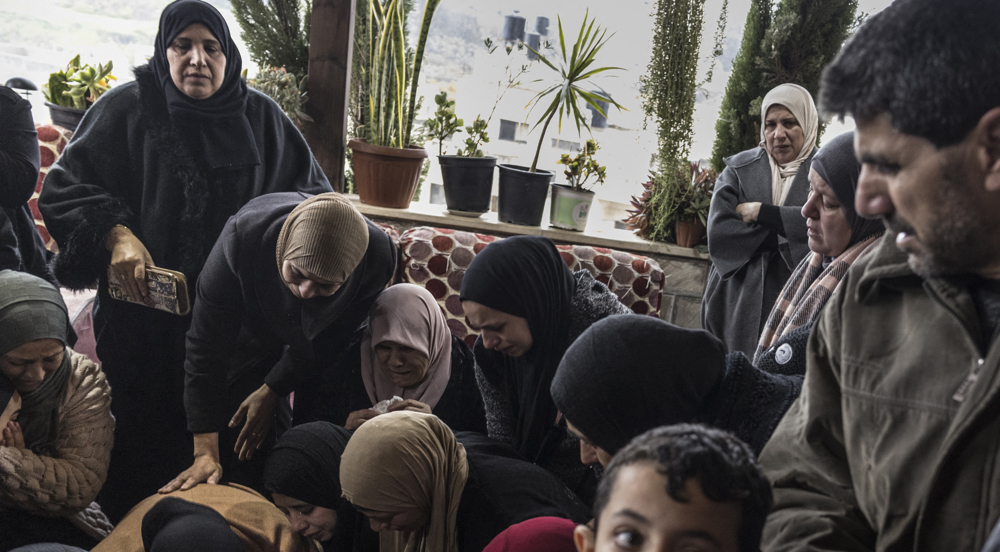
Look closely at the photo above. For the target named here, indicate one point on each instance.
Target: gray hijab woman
(55, 458)
(756, 232)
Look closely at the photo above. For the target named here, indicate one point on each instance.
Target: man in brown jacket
(894, 443)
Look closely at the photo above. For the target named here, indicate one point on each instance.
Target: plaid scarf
(806, 291)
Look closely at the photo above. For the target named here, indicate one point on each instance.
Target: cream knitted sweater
(67, 483)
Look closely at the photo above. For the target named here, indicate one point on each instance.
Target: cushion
(436, 258)
(51, 141)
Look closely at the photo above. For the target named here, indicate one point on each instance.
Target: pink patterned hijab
(408, 315)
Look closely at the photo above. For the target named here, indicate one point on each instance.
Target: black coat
(21, 248)
(503, 489)
(129, 164)
(461, 405)
(241, 290)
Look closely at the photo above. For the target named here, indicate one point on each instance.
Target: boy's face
(641, 516)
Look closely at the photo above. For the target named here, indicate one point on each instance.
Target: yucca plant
(574, 68)
(391, 115)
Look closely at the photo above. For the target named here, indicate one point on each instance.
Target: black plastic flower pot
(468, 182)
(521, 198)
(66, 117)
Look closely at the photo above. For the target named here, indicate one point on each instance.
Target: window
(512, 131)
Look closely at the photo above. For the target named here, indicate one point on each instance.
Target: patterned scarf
(805, 293)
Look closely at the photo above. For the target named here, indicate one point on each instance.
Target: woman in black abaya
(153, 172)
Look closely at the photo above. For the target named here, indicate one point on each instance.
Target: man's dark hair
(930, 65)
(724, 467)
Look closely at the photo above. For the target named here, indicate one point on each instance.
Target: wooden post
(331, 41)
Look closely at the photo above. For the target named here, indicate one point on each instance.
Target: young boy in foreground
(683, 487)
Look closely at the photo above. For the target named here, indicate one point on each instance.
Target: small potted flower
(72, 90)
(468, 175)
(571, 202)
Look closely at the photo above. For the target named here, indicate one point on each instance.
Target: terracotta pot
(689, 233)
(386, 177)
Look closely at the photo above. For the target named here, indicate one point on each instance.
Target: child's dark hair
(724, 466)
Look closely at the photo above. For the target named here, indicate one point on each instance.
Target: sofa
(435, 258)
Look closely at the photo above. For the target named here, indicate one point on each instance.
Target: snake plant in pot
(523, 190)
(386, 167)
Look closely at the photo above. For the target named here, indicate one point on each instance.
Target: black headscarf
(175, 525)
(218, 121)
(525, 276)
(6, 394)
(33, 309)
(836, 163)
(305, 464)
(628, 374)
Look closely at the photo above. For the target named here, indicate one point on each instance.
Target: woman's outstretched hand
(205, 469)
(411, 406)
(358, 417)
(258, 409)
(129, 258)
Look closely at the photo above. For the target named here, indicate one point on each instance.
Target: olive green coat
(888, 448)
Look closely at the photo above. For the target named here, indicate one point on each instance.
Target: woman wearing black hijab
(153, 172)
(530, 308)
(838, 236)
(662, 375)
(302, 474)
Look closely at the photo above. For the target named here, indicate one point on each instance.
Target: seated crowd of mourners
(843, 393)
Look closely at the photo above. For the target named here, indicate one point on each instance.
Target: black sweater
(241, 289)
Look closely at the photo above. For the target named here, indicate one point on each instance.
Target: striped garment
(806, 291)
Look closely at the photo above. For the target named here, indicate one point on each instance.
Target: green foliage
(477, 136)
(78, 86)
(803, 38)
(276, 32)
(574, 69)
(686, 196)
(286, 90)
(389, 69)
(793, 45)
(444, 123)
(669, 95)
(738, 126)
(579, 169)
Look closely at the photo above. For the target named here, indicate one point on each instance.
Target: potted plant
(685, 205)
(692, 209)
(72, 90)
(571, 202)
(386, 165)
(522, 189)
(468, 176)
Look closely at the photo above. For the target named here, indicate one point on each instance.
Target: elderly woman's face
(828, 230)
(310, 521)
(403, 366)
(783, 136)
(197, 64)
(28, 365)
